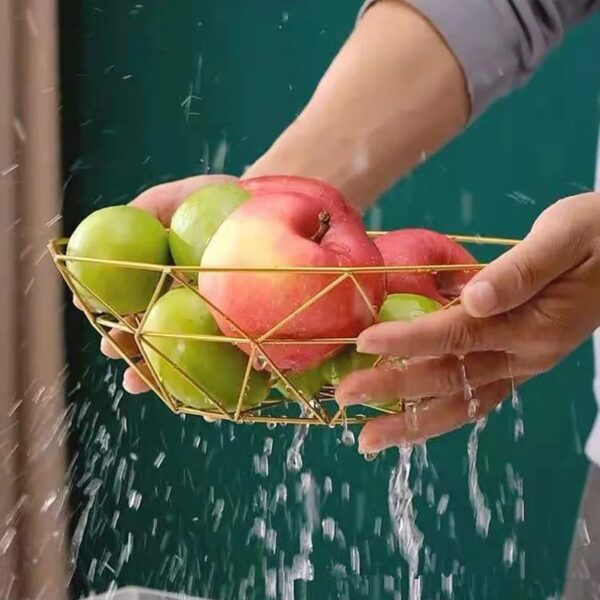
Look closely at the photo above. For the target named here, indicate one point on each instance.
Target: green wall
(156, 90)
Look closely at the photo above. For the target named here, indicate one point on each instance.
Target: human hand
(520, 316)
(161, 201)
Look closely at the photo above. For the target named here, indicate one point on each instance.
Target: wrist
(306, 149)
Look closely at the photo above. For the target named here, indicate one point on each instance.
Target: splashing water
(347, 435)
(370, 456)
(302, 568)
(483, 514)
(91, 492)
(410, 539)
(260, 362)
(261, 461)
(517, 406)
(294, 454)
(509, 551)
(469, 392)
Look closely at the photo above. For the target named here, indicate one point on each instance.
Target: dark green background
(249, 65)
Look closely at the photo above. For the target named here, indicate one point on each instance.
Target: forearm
(394, 94)
(408, 80)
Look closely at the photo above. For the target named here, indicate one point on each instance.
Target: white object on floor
(138, 593)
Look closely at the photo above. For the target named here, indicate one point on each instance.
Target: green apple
(348, 360)
(405, 307)
(396, 307)
(118, 233)
(219, 367)
(198, 218)
(308, 382)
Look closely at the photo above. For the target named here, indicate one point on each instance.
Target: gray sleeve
(500, 43)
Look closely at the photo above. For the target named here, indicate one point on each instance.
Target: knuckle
(450, 379)
(524, 275)
(553, 329)
(460, 336)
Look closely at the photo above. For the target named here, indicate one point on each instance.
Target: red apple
(292, 222)
(424, 247)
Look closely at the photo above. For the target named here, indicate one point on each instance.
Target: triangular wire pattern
(319, 410)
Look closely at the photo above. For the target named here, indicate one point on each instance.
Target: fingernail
(352, 399)
(479, 298)
(370, 447)
(366, 346)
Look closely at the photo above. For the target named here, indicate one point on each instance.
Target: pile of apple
(284, 233)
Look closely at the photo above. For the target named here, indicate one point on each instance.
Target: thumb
(514, 278)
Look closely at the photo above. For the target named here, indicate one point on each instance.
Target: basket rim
(315, 412)
(58, 245)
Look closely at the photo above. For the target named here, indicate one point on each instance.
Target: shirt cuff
(484, 40)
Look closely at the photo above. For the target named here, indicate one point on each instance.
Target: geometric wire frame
(319, 410)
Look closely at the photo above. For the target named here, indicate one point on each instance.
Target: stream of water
(410, 539)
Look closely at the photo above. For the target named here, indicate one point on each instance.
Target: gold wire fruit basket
(297, 408)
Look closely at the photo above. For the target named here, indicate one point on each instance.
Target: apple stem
(324, 224)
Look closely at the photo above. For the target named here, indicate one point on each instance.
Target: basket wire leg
(243, 390)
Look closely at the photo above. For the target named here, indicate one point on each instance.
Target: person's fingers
(77, 302)
(450, 331)
(443, 376)
(515, 277)
(124, 340)
(162, 200)
(430, 418)
(133, 383)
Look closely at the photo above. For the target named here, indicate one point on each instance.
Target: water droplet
(509, 552)
(7, 539)
(348, 438)
(472, 408)
(519, 429)
(377, 526)
(413, 417)
(410, 539)
(370, 456)
(49, 502)
(328, 526)
(281, 494)
(519, 510)
(294, 460)
(483, 514)
(447, 584)
(522, 564)
(260, 361)
(134, 499)
(583, 532)
(271, 425)
(396, 362)
(158, 461)
(442, 504)
(271, 541)
(355, 560)
(345, 491)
